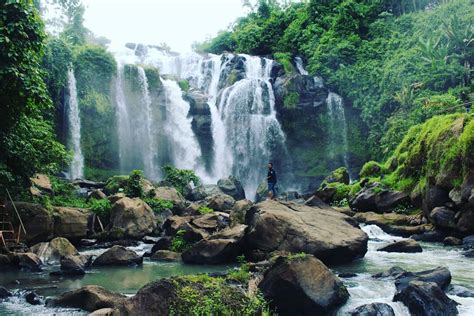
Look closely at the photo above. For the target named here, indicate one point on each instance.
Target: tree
(26, 138)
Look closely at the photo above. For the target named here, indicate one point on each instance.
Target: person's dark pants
(271, 188)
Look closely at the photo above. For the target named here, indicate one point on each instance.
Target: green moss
(291, 100)
(241, 275)
(204, 210)
(296, 256)
(372, 169)
(184, 85)
(178, 243)
(153, 77)
(159, 205)
(203, 295)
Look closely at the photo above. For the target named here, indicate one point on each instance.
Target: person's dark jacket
(271, 176)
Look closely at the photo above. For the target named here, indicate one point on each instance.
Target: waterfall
(252, 130)
(185, 151)
(76, 169)
(337, 127)
(123, 123)
(148, 147)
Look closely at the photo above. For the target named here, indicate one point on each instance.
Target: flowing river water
(363, 288)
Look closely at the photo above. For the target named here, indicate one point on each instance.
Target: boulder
(468, 241)
(370, 199)
(373, 309)
(393, 272)
(430, 236)
(89, 298)
(32, 298)
(440, 275)
(426, 298)
(340, 175)
(220, 202)
(106, 312)
(326, 194)
(183, 223)
(465, 223)
(330, 236)
(442, 217)
(171, 194)
(133, 217)
(460, 291)
(211, 222)
(51, 252)
(262, 192)
(164, 243)
(452, 241)
(27, 260)
(71, 223)
(41, 184)
(74, 265)
(201, 192)
(240, 209)
(407, 245)
(4, 293)
(5, 260)
(222, 247)
(302, 286)
(37, 220)
(118, 256)
(165, 255)
(315, 201)
(87, 184)
(231, 186)
(435, 196)
(97, 194)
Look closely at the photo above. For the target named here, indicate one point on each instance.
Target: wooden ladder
(7, 231)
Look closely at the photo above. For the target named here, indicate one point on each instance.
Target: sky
(178, 23)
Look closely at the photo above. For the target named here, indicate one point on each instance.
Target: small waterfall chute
(76, 168)
(337, 128)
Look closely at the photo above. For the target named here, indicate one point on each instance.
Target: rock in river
(407, 245)
(302, 286)
(118, 256)
(323, 232)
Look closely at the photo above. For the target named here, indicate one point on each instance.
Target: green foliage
(184, 85)
(116, 184)
(285, 60)
(96, 174)
(396, 62)
(241, 274)
(134, 184)
(297, 256)
(204, 210)
(178, 243)
(372, 169)
(26, 136)
(159, 205)
(179, 178)
(291, 100)
(204, 295)
(101, 208)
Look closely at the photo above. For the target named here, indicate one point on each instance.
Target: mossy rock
(115, 184)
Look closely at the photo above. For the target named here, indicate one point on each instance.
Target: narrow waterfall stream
(76, 169)
(185, 151)
(337, 128)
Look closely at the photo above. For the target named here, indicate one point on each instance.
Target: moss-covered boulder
(192, 295)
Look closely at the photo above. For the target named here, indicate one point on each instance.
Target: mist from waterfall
(76, 168)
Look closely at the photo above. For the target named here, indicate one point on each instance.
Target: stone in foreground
(323, 232)
(407, 246)
(118, 256)
(302, 286)
(373, 309)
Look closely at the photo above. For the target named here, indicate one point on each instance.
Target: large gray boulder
(426, 298)
(323, 232)
(71, 223)
(171, 194)
(51, 252)
(231, 186)
(373, 309)
(443, 217)
(89, 298)
(118, 256)
(373, 199)
(222, 247)
(302, 286)
(132, 217)
(38, 221)
(220, 202)
(407, 246)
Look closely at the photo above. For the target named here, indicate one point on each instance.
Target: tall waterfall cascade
(76, 168)
(241, 103)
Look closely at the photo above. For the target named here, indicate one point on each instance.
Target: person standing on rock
(272, 180)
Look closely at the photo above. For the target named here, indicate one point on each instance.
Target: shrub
(184, 85)
(179, 178)
(371, 169)
(134, 187)
(178, 244)
(101, 208)
(115, 184)
(291, 100)
(159, 205)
